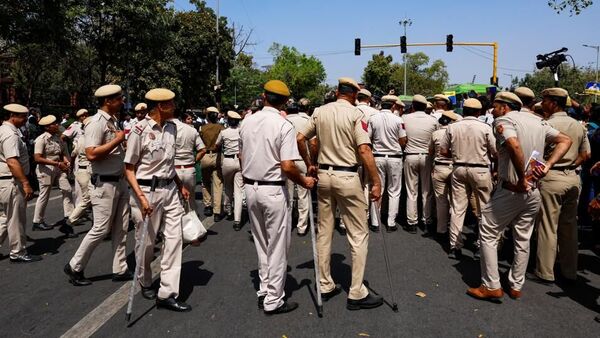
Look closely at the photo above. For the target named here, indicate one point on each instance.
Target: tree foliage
(574, 6)
(573, 79)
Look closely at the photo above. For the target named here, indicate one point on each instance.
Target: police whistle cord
(313, 239)
(141, 250)
(385, 256)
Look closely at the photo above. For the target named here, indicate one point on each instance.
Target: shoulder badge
(138, 128)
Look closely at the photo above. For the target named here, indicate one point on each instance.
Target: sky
(327, 29)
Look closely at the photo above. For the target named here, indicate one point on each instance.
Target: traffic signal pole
(427, 44)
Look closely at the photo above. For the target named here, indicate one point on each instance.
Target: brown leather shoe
(514, 294)
(484, 293)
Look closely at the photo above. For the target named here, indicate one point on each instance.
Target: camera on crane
(551, 60)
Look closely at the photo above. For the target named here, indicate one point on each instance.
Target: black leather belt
(185, 166)
(6, 178)
(416, 153)
(109, 178)
(471, 165)
(83, 167)
(251, 182)
(442, 163)
(570, 167)
(352, 169)
(160, 182)
(230, 156)
(389, 156)
(211, 152)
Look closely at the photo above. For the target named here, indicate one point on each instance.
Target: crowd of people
(523, 165)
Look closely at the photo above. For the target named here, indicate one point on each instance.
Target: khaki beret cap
(559, 92)
(400, 103)
(140, 106)
(87, 120)
(81, 112)
(16, 108)
(420, 99)
(349, 81)
(47, 120)
(304, 101)
(365, 92)
(159, 95)
(212, 110)
(429, 105)
(450, 114)
(107, 90)
(524, 92)
(389, 98)
(472, 103)
(441, 97)
(508, 97)
(233, 115)
(277, 87)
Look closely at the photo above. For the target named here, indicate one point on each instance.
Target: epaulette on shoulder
(138, 128)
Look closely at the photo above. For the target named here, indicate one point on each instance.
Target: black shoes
(148, 293)
(25, 258)
(172, 304)
(342, 231)
(411, 228)
(208, 211)
(122, 277)
(391, 229)
(237, 226)
(325, 296)
(76, 278)
(374, 228)
(369, 302)
(218, 217)
(261, 302)
(67, 229)
(455, 254)
(229, 217)
(285, 308)
(40, 227)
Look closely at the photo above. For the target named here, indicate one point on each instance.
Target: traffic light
(403, 44)
(357, 46)
(449, 43)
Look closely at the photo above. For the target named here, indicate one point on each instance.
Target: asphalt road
(219, 280)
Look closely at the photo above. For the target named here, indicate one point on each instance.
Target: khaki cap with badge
(450, 114)
(159, 95)
(47, 120)
(212, 110)
(16, 108)
(107, 90)
(400, 103)
(420, 99)
(558, 92)
(472, 103)
(365, 92)
(81, 112)
(233, 115)
(389, 98)
(441, 97)
(140, 106)
(508, 97)
(524, 92)
(349, 81)
(277, 87)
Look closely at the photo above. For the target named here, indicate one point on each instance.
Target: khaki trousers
(166, 218)
(344, 191)
(441, 189)
(110, 206)
(271, 223)
(12, 224)
(465, 181)
(211, 179)
(47, 179)
(557, 226)
(188, 178)
(82, 176)
(417, 167)
(233, 184)
(303, 199)
(390, 173)
(507, 208)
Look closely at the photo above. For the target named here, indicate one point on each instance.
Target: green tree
(303, 74)
(573, 79)
(378, 73)
(244, 82)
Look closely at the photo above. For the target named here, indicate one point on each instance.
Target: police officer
(228, 145)
(53, 160)
(141, 109)
(76, 128)
(15, 189)
(151, 154)
(188, 141)
(515, 201)
(440, 105)
(471, 145)
(400, 109)
(417, 162)
(442, 170)
(268, 150)
(109, 193)
(389, 138)
(560, 189)
(343, 141)
(212, 186)
(364, 99)
(527, 97)
(82, 175)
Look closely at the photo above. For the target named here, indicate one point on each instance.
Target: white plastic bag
(192, 227)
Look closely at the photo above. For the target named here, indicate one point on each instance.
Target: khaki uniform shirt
(151, 148)
(419, 127)
(471, 140)
(50, 147)
(367, 110)
(436, 145)
(385, 131)
(74, 131)
(266, 139)
(12, 145)
(101, 130)
(229, 140)
(79, 151)
(340, 128)
(209, 133)
(578, 134)
(188, 140)
(532, 133)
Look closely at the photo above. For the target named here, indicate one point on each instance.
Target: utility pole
(597, 48)
(405, 22)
